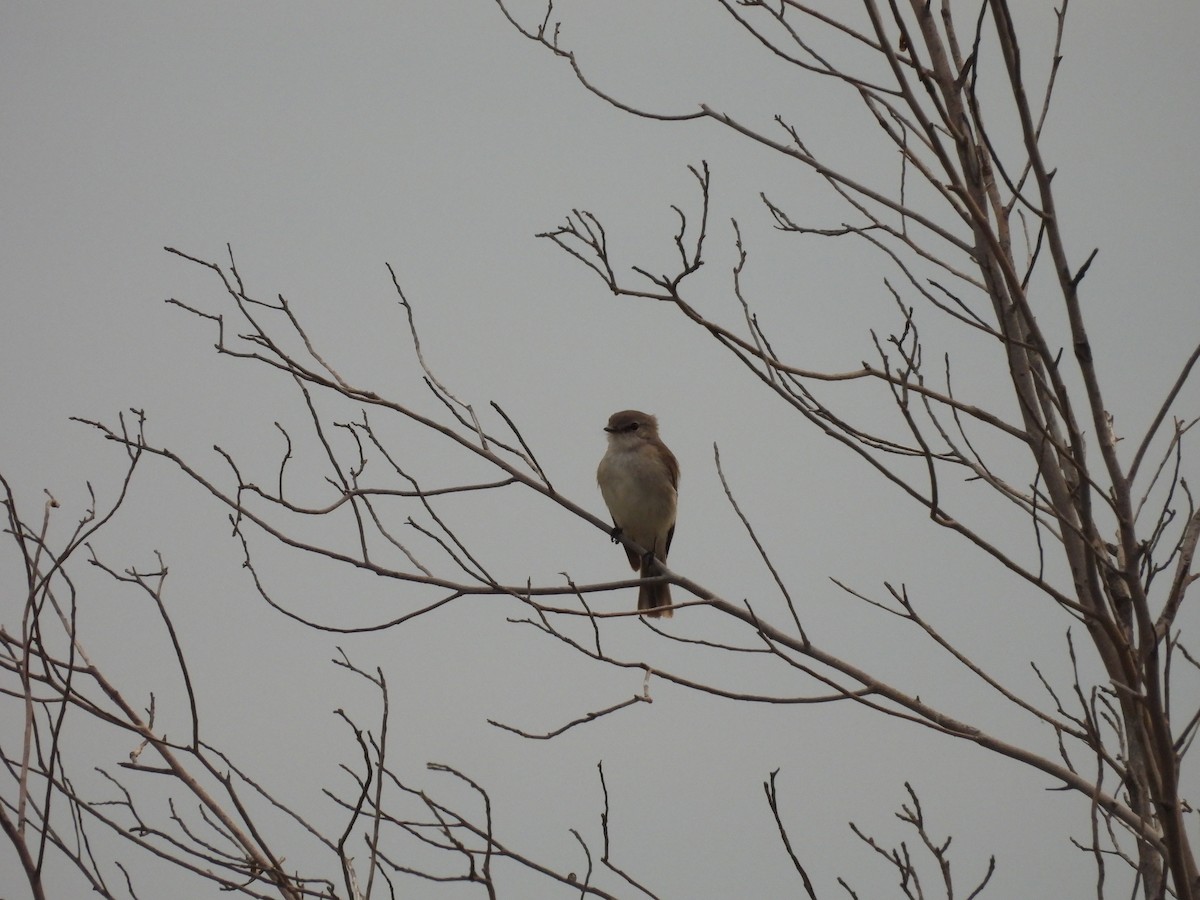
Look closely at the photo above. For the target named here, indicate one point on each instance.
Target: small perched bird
(638, 477)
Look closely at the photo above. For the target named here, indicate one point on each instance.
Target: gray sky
(324, 141)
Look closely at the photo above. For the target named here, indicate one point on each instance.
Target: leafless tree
(972, 238)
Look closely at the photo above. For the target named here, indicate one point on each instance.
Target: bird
(639, 479)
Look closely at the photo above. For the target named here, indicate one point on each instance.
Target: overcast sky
(322, 142)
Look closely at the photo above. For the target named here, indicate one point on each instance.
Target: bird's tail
(653, 597)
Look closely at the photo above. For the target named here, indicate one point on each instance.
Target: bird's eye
(635, 426)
